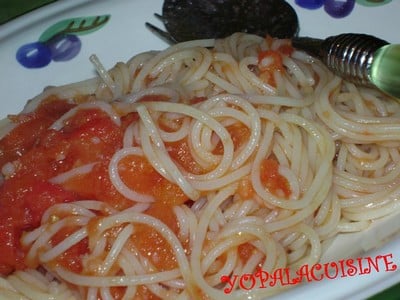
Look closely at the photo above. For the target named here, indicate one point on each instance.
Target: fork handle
(348, 55)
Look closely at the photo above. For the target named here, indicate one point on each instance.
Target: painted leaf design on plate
(76, 26)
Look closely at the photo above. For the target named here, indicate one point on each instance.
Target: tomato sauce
(273, 180)
(270, 61)
(30, 127)
(23, 201)
(38, 154)
(180, 152)
(151, 182)
(97, 185)
(245, 251)
(71, 258)
(151, 244)
(239, 134)
(245, 189)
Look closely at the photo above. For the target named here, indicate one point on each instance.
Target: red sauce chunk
(23, 201)
(30, 127)
(273, 180)
(151, 244)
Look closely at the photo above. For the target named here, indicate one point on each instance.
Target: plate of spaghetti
(237, 168)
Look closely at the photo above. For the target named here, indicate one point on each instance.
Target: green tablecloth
(10, 9)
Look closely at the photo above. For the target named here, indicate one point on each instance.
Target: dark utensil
(188, 20)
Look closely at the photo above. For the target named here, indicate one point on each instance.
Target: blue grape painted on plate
(335, 8)
(64, 47)
(34, 55)
(60, 42)
(310, 4)
(39, 54)
(338, 8)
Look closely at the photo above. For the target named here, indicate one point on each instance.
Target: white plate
(125, 35)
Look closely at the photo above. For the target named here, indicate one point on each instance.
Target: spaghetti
(179, 167)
